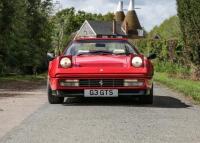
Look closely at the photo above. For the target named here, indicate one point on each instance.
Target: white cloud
(95, 6)
(152, 12)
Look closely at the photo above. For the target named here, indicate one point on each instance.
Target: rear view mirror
(100, 45)
(119, 51)
(50, 56)
(152, 56)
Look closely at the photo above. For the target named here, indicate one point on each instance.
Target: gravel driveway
(171, 119)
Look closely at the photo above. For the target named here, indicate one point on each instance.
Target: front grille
(101, 83)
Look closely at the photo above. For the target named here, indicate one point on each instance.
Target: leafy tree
(166, 41)
(12, 33)
(39, 33)
(169, 29)
(25, 34)
(189, 15)
(28, 31)
(108, 17)
(68, 21)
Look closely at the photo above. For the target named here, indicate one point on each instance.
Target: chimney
(114, 27)
(120, 6)
(119, 15)
(131, 21)
(131, 5)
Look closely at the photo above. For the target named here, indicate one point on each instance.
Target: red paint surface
(100, 67)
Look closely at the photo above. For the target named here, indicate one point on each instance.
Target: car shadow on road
(159, 102)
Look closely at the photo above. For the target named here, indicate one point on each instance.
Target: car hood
(88, 66)
(101, 61)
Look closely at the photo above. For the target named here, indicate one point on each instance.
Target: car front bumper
(63, 91)
(80, 93)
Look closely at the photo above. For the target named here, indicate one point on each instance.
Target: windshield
(84, 47)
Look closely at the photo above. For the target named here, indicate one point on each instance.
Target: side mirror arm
(50, 56)
(152, 56)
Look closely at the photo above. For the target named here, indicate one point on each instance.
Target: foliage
(169, 29)
(166, 41)
(173, 69)
(188, 87)
(177, 41)
(39, 32)
(189, 15)
(11, 24)
(68, 21)
(158, 38)
(28, 31)
(25, 35)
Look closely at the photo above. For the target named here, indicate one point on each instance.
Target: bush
(172, 69)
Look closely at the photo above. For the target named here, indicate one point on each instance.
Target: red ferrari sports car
(100, 67)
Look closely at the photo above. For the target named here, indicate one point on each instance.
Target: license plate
(101, 93)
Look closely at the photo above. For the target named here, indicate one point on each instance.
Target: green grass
(187, 87)
(23, 77)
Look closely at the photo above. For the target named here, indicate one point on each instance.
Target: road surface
(171, 119)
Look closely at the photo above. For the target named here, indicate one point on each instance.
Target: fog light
(69, 83)
(133, 83)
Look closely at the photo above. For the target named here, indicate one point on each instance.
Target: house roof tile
(106, 27)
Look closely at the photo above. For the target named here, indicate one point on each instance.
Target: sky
(150, 14)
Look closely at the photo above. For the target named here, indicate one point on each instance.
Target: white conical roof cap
(120, 6)
(131, 5)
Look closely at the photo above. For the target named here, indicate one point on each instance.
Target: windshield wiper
(82, 54)
(96, 52)
(101, 52)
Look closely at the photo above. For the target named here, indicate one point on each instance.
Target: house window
(85, 32)
(140, 32)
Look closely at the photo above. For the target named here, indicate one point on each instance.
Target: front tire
(53, 99)
(147, 99)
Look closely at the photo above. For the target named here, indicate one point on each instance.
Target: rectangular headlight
(133, 83)
(69, 83)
